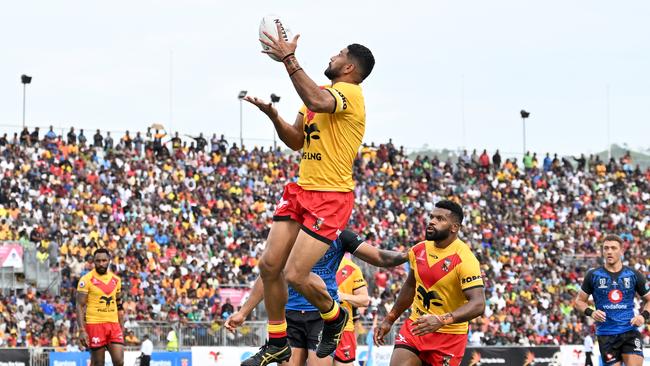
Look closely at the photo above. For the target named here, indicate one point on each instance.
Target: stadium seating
(185, 222)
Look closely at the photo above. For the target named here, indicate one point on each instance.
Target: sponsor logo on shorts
(282, 203)
(400, 338)
(637, 345)
(318, 223)
(446, 361)
(95, 340)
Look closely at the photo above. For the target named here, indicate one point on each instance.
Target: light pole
(241, 96)
(274, 99)
(25, 80)
(524, 115)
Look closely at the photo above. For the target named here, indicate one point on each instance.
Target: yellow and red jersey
(103, 293)
(349, 278)
(332, 141)
(441, 276)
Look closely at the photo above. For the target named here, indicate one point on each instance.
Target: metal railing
(195, 334)
(8, 282)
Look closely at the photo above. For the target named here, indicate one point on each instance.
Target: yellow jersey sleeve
(343, 94)
(469, 271)
(82, 286)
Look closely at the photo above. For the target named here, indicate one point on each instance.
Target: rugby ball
(269, 25)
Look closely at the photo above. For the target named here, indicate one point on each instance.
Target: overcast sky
(448, 73)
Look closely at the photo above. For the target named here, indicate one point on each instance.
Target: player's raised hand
(637, 321)
(426, 324)
(234, 321)
(599, 316)
(278, 46)
(381, 331)
(265, 107)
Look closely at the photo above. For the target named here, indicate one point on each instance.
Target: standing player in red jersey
(312, 212)
(99, 311)
(445, 289)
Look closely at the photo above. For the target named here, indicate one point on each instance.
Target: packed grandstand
(187, 222)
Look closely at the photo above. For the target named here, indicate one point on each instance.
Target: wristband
(291, 64)
(589, 311)
(287, 55)
(646, 315)
(295, 71)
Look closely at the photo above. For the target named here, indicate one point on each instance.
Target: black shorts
(613, 347)
(303, 328)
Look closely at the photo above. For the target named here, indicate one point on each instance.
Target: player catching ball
(312, 212)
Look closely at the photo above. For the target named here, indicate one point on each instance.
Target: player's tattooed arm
(380, 257)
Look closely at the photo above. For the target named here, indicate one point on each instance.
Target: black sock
(278, 342)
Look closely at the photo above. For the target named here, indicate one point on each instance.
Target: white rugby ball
(269, 25)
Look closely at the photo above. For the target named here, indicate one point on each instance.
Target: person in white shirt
(476, 336)
(147, 349)
(589, 350)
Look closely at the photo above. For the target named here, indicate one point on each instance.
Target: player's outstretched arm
(404, 300)
(292, 135)
(380, 257)
(256, 296)
(82, 303)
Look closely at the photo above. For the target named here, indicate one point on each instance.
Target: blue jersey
(326, 268)
(614, 294)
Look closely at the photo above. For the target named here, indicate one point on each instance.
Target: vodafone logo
(615, 296)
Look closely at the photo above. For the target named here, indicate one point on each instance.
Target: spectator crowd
(186, 221)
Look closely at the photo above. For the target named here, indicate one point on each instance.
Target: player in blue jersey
(304, 322)
(613, 287)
